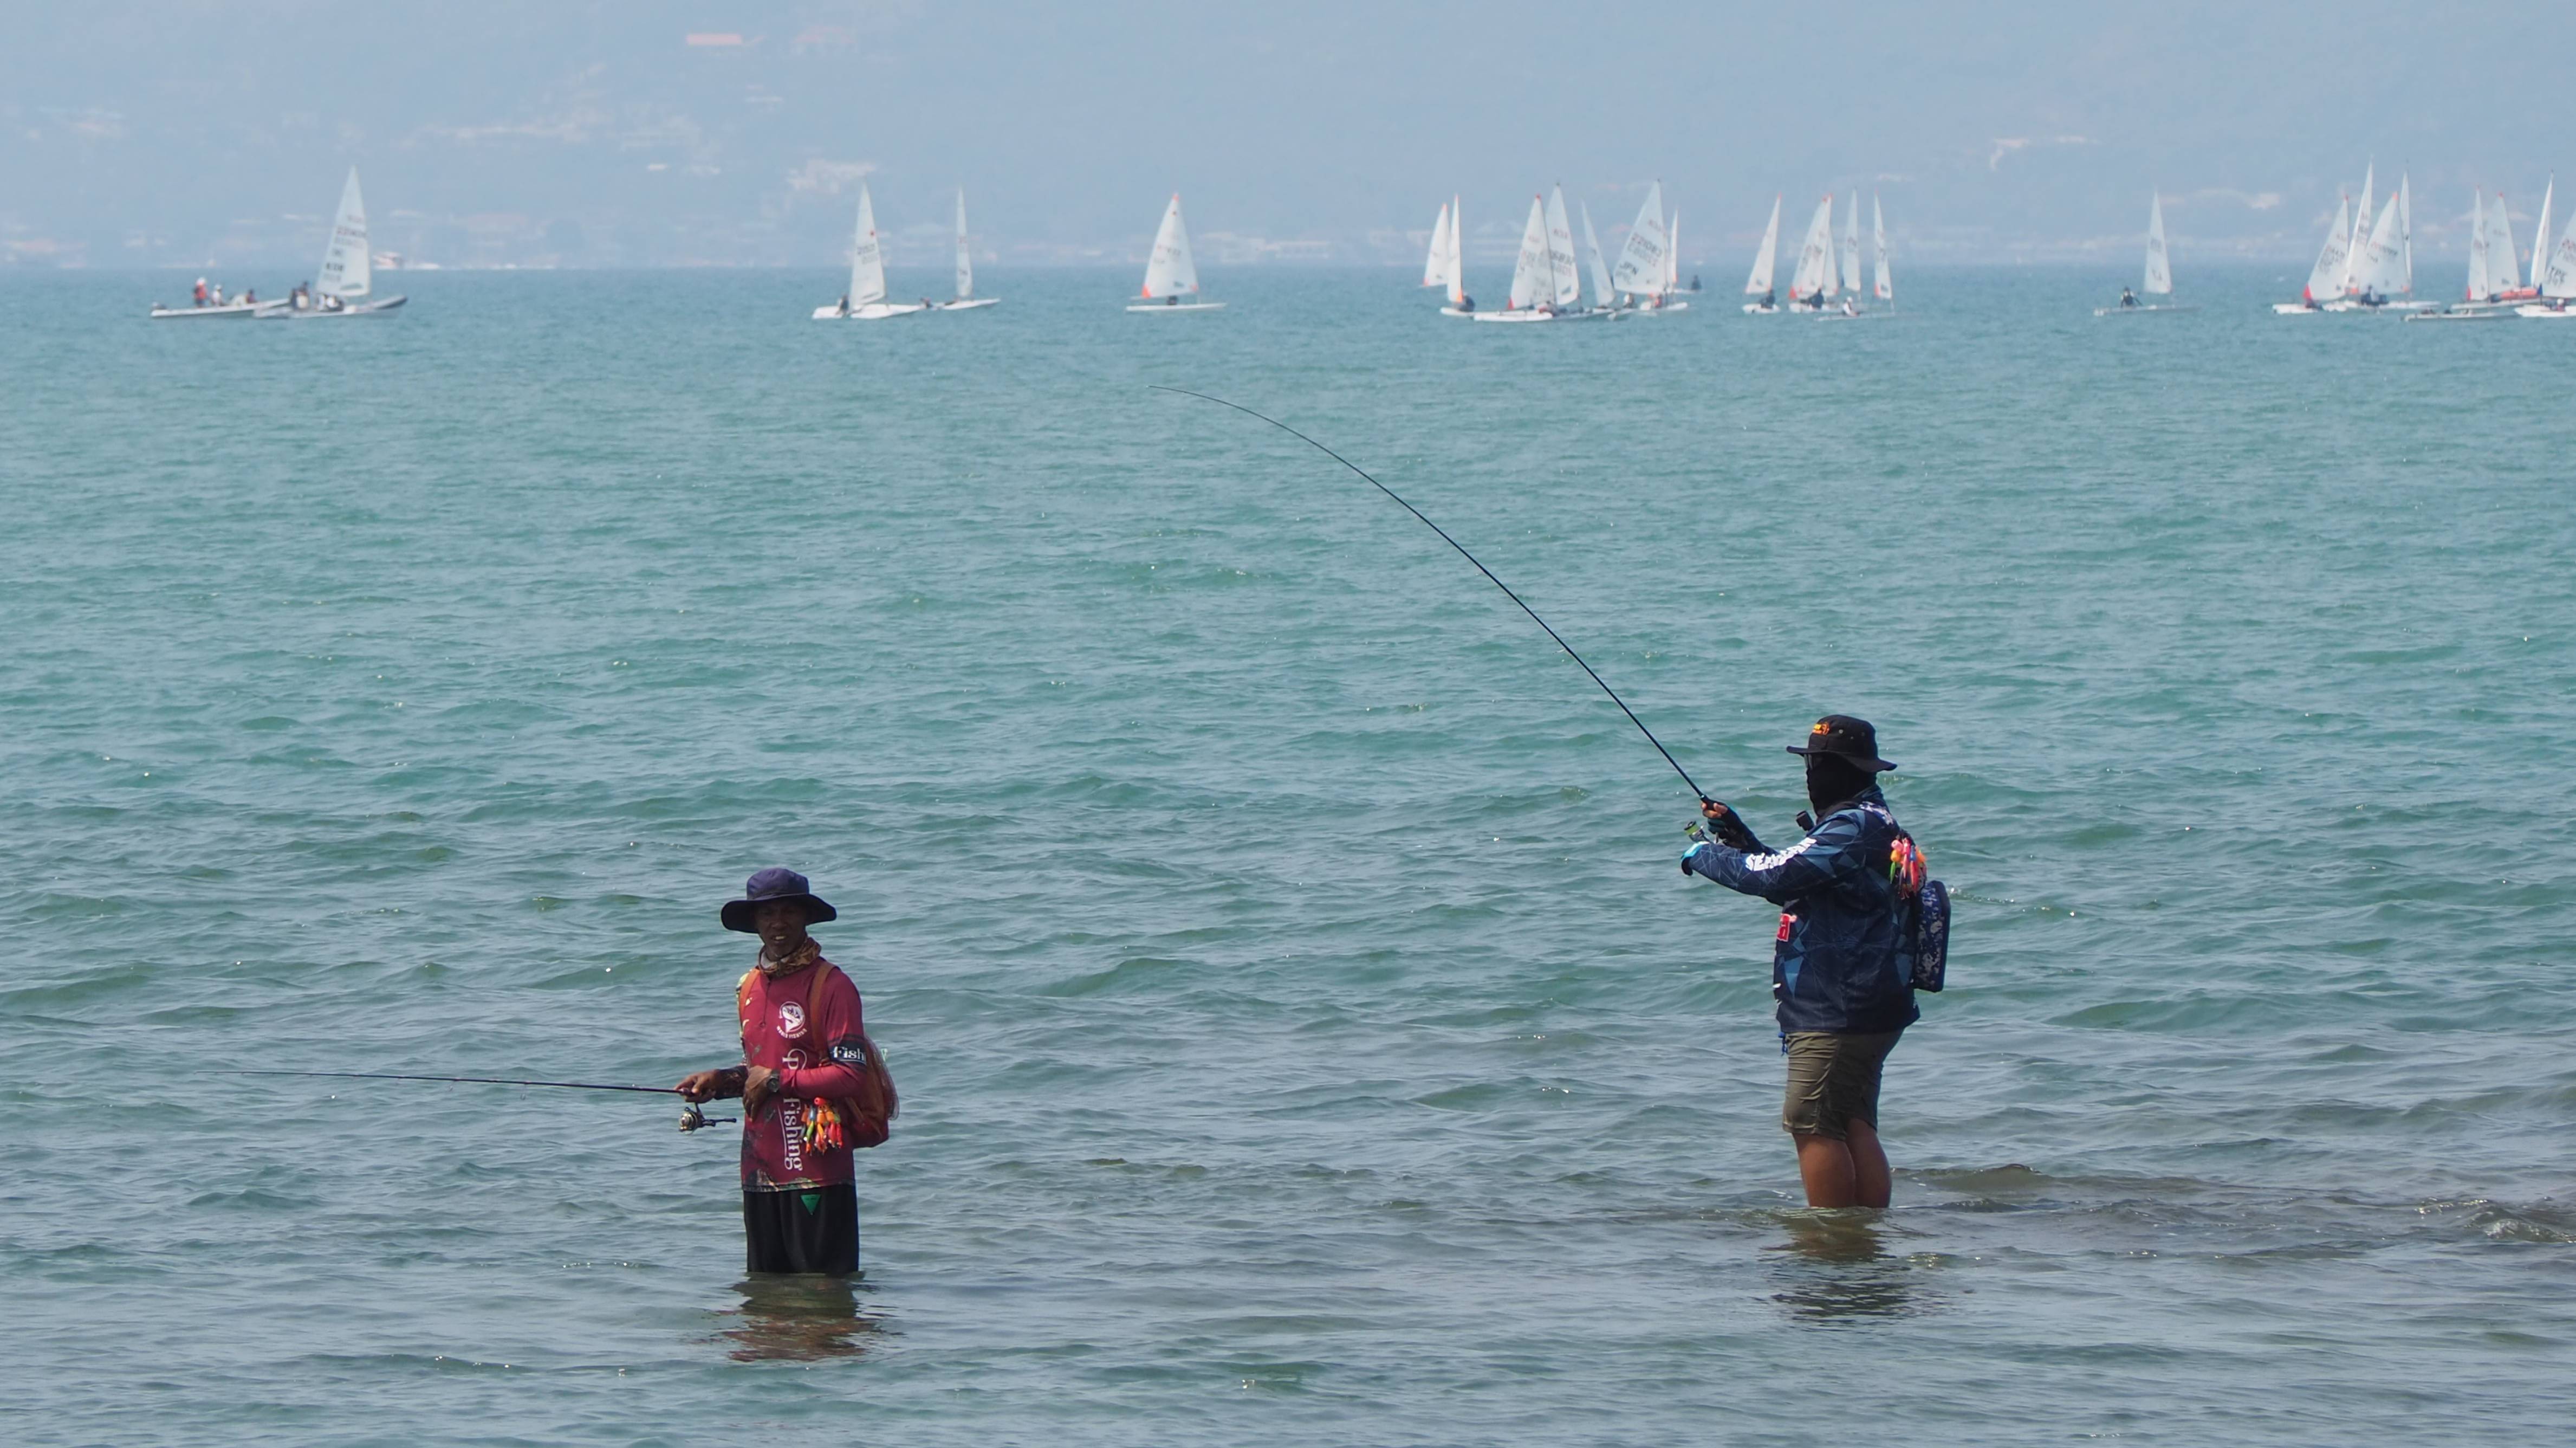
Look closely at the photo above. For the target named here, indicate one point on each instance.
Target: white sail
(1435, 267)
(2540, 236)
(2381, 269)
(1601, 296)
(2502, 273)
(2478, 283)
(1815, 274)
(1851, 243)
(965, 261)
(2325, 280)
(1456, 259)
(1530, 282)
(1759, 283)
(2558, 278)
(1169, 272)
(1673, 253)
(345, 261)
(867, 256)
(2360, 239)
(1882, 286)
(2406, 231)
(2159, 268)
(1561, 272)
(1640, 271)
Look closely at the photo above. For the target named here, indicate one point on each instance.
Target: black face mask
(1832, 780)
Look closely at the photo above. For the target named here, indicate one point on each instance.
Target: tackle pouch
(1931, 935)
(1926, 901)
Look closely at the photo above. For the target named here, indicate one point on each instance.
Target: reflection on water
(799, 1319)
(1834, 1266)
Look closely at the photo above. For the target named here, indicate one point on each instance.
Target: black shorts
(802, 1231)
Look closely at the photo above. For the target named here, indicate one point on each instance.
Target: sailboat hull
(375, 308)
(967, 304)
(871, 312)
(1177, 307)
(2160, 309)
(2543, 313)
(2488, 314)
(1757, 309)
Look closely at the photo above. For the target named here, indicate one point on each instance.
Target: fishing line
(1480, 568)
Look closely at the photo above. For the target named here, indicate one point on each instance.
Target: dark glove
(1729, 827)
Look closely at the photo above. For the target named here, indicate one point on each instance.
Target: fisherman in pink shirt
(813, 1088)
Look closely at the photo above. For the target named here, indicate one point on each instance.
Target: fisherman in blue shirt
(1839, 970)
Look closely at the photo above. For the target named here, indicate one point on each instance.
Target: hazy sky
(600, 134)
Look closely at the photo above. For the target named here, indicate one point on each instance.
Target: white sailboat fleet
(2159, 278)
(1649, 269)
(2368, 260)
(1547, 286)
(865, 301)
(1819, 277)
(1170, 274)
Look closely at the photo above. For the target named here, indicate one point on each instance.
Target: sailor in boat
(844, 308)
(1851, 308)
(201, 291)
(1694, 281)
(1173, 300)
(1844, 993)
(1466, 303)
(1771, 300)
(813, 1088)
(2128, 298)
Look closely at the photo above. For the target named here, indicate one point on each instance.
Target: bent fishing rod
(1480, 568)
(691, 1118)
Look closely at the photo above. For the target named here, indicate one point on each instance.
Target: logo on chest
(791, 1020)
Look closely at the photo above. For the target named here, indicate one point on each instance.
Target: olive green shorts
(1832, 1080)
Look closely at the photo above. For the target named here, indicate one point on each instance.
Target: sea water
(1304, 1031)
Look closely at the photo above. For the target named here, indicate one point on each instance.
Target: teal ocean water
(1304, 1032)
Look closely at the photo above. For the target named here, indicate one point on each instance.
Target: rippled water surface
(1305, 1035)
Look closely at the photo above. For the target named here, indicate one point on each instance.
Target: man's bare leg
(1825, 1165)
(1851, 1173)
(1872, 1184)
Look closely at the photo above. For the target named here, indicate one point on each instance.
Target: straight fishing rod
(691, 1118)
(464, 1080)
(1480, 568)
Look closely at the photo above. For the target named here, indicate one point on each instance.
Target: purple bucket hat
(775, 883)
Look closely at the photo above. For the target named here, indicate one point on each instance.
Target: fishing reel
(692, 1119)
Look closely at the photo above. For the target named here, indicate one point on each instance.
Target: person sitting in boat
(1694, 281)
(201, 291)
(219, 294)
(1173, 300)
(1771, 300)
(844, 308)
(1466, 303)
(2128, 298)
(1851, 307)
